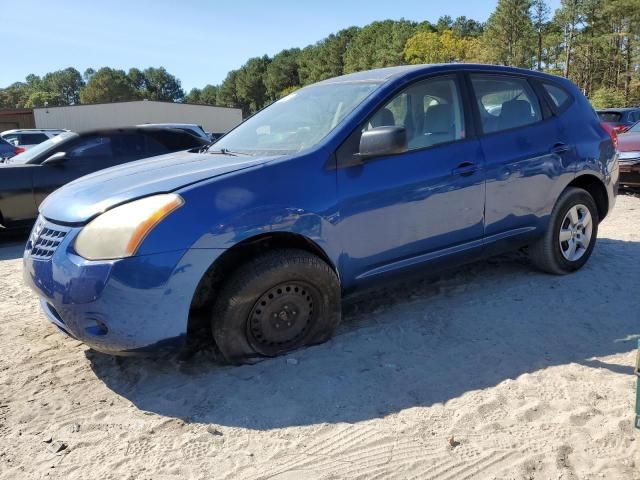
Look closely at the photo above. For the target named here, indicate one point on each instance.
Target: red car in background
(629, 156)
(620, 119)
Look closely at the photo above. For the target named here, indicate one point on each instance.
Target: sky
(198, 41)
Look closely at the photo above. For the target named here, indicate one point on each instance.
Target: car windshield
(296, 122)
(609, 116)
(34, 152)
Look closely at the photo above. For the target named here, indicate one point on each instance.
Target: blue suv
(336, 186)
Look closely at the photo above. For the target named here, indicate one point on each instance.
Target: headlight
(118, 232)
(628, 155)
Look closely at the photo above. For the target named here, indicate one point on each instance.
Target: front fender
(294, 196)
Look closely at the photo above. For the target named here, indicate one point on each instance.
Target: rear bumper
(127, 306)
(630, 174)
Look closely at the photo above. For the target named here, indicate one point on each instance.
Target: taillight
(19, 150)
(619, 128)
(612, 133)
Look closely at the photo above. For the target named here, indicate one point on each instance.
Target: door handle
(465, 169)
(560, 148)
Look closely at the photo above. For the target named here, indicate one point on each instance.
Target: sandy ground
(495, 371)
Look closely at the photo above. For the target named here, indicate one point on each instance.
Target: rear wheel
(276, 303)
(569, 241)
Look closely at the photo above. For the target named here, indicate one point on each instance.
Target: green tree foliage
(379, 44)
(509, 34)
(464, 27)
(539, 17)
(209, 95)
(63, 86)
(156, 84)
(432, 47)
(607, 97)
(250, 86)
(228, 92)
(325, 59)
(108, 85)
(282, 73)
(595, 43)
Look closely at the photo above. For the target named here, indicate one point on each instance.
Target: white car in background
(29, 137)
(191, 128)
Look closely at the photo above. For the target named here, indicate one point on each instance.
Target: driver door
(404, 210)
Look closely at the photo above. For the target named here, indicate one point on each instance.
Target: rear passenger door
(525, 152)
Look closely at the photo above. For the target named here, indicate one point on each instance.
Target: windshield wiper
(224, 151)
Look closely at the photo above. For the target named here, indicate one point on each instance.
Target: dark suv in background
(27, 179)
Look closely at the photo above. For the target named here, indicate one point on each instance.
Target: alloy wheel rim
(575, 233)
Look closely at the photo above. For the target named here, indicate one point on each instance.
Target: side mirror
(382, 141)
(55, 159)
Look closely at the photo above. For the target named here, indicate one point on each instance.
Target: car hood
(629, 142)
(81, 200)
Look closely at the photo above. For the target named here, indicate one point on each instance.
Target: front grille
(45, 239)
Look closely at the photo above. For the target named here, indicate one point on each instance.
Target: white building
(122, 114)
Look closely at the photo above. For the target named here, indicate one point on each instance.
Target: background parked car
(619, 118)
(215, 136)
(27, 179)
(191, 128)
(8, 150)
(629, 156)
(29, 137)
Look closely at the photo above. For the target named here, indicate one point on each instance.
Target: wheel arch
(208, 286)
(596, 189)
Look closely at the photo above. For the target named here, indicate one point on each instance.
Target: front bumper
(127, 306)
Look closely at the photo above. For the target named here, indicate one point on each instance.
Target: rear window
(559, 96)
(609, 116)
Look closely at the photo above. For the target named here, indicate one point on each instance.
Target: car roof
(147, 125)
(33, 130)
(382, 75)
(136, 129)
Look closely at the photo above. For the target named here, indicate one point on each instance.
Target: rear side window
(505, 102)
(609, 116)
(559, 96)
(173, 141)
(91, 148)
(128, 146)
(32, 138)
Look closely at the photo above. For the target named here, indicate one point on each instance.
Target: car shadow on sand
(410, 345)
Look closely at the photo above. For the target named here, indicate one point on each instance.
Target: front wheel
(569, 240)
(275, 303)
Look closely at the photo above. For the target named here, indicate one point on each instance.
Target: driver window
(431, 112)
(91, 148)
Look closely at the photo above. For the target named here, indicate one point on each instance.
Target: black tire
(275, 303)
(546, 254)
